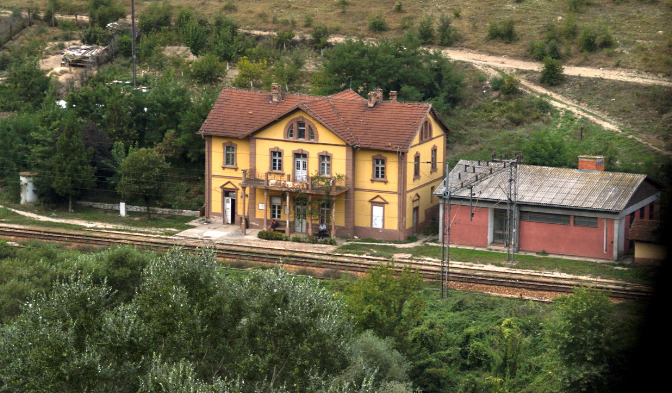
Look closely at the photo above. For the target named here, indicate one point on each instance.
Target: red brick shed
(578, 212)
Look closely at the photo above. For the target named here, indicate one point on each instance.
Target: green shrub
(208, 69)
(342, 4)
(541, 49)
(502, 31)
(270, 235)
(576, 5)
(592, 39)
(447, 33)
(319, 37)
(426, 30)
(5, 60)
(507, 85)
(155, 16)
(398, 6)
(95, 35)
(125, 45)
(552, 74)
(229, 7)
(377, 24)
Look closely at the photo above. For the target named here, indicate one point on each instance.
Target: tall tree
(581, 337)
(143, 174)
(70, 168)
(102, 12)
(400, 64)
(26, 86)
(388, 304)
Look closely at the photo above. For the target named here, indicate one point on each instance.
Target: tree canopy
(143, 174)
(399, 64)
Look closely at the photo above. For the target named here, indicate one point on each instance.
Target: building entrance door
(229, 207)
(300, 218)
(499, 227)
(300, 167)
(416, 218)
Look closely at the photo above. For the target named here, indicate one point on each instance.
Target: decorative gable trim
(229, 186)
(378, 199)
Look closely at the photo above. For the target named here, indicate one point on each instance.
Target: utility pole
(511, 238)
(133, 37)
(477, 174)
(445, 249)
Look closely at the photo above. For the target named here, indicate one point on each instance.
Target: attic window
(426, 131)
(300, 128)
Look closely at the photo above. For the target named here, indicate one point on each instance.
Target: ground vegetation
(129, 320)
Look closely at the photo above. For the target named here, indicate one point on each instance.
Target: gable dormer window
(426, 131)
(300, 128)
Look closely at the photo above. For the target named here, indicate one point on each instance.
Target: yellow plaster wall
(222, 175)
(363, 209)
(367, 189)
(273, 136)
(649, 251)
(428, 179)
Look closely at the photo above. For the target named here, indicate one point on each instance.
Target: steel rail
(430, 270)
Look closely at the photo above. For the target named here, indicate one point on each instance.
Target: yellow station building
(362, 167)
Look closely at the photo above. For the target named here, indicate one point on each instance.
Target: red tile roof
(646, 231)
(389, 125)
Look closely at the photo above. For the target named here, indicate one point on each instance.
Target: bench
(280, 228)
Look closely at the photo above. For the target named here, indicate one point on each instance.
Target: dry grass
(640, 27)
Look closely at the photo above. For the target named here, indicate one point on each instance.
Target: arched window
(426, 130)
(300, 128)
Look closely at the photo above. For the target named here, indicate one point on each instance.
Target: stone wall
(129, 208)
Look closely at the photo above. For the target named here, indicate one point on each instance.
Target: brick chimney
(591, 163)
(393, 96)
(375, 97)
(276, 92)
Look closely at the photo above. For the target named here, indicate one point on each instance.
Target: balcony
(284, 182)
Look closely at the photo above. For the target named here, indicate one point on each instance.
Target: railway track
(431, 270)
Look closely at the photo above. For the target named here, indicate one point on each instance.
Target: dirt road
(507, 63)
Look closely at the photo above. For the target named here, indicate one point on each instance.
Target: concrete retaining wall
(129, 208)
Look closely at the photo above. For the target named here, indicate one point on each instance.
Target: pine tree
(70, 168)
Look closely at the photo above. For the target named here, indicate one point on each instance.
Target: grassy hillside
(640, 29)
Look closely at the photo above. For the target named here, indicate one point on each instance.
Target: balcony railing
(280, 181)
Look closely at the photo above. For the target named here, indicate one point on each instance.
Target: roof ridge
(343, 121)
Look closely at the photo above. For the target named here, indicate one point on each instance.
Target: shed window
(546, 218)
(590, 222)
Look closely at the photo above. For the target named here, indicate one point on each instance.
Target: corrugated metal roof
(541, 185)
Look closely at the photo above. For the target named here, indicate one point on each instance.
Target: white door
(377, 216)
(227, 210)
(300, 167)
(300, 219)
